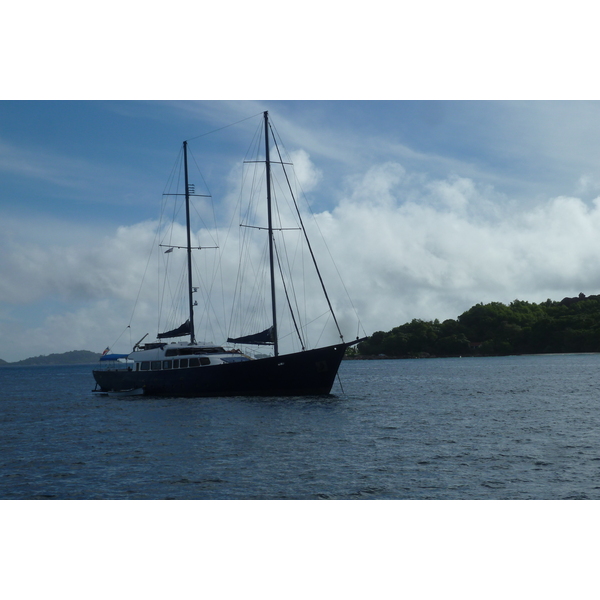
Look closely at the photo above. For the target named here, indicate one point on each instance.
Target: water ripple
(508, 428)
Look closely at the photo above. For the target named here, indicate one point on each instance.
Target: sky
(428, 207)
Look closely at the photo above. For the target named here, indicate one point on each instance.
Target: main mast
(189, 244)
(270, 227)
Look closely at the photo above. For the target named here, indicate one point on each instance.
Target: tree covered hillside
(571, 325)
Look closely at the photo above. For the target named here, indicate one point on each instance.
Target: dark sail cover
(263, 338)
(181, 330)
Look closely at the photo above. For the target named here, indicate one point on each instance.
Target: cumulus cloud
(307, 174)
(74, 266)
(406, 246)
(413, 248)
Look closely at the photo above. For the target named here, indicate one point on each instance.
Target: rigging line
(329, 315)
(219, 273)
(256, 293)
(212, 203)
(170, 179)
(340, 382)
(213, 232)
(359, 323)
(174, 182)
(308, 243)
(199, 171)
(256, 181)
(242, 237)
(209, 195)
(229, 230)
(224, 127)
(278, 215)
(167, 232)
(287, 297)
(144, 275)
(171, 310)
(206, 287)
(206, 227)
(286, 257)
(250, 293)
(156, 236)
(121, 335)
(236, 212)
(308, 323)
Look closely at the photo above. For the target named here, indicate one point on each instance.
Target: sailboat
(195, 369)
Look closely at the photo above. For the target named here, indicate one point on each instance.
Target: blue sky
(430, 206)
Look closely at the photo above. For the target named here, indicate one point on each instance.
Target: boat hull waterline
(307, 373)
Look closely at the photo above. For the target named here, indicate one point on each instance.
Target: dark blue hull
(307, 373)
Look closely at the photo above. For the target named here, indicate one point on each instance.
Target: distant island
(494, 329)
(75, 357)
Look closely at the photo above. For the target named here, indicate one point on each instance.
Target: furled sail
(260, 339)
(181, 330)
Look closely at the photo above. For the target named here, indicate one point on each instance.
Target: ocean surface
(517, 427)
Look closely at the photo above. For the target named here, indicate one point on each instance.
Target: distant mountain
(75, 357)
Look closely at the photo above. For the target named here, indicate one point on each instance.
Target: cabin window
(194, 362)
(176, 364)
(155, 365)
(145, 365)
(183, 363)
(204, 361)
(167, 364)
(137, 366)
(172, 352)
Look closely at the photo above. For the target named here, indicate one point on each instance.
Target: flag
(169, 250)
(105, 352)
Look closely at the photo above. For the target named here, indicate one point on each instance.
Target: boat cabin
(179, 355)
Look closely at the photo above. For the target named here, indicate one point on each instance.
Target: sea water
(517, 427)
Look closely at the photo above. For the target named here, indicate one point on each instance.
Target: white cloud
(416, 249)
(77, 265)
(406, 246)
(306, 172)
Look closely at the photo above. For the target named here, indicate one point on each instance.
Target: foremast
(188, 327)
